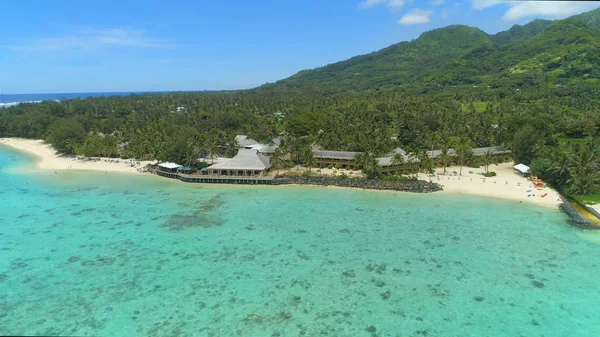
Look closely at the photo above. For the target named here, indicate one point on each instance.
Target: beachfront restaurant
(247, 163)
(169, 167)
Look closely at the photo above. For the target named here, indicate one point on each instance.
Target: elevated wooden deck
(217, 179)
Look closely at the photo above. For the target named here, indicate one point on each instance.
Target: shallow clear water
(126, 255)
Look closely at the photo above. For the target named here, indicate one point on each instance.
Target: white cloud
(390, 3)
(547, 9)
(542, 9)
(436, 3)
(415, 17)
(91, 38)
(480, 4)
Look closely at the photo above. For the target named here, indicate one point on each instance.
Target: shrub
(306, 174)
(344, 176)
(489, 174)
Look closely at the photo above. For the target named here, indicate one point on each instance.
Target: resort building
(334, 157)
(245, 142)
(271, 146)
(347, 158)
(247, 163)
(169, 167)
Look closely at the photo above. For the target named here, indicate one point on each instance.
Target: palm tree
(309, 158)
(192, 154)
(584, 170)
(540, 148)
(70, 146)
(368, 163)
(293, 149)
(445, 157)
(277, 159)
(585, 181)
(230, 145)
(582, 157)
(359, 160)
(371, 165)
(433, 140)
(487, 159)
(212, 148)
(462, 147)
(397, 160)
(560, 163)
(285, 149)
(413, 159)
(424, 159)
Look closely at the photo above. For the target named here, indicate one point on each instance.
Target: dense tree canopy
(358, 105)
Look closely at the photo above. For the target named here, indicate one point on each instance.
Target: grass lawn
(479, 106)
(566, 141)
(588, 199)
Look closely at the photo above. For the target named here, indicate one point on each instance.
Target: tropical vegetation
(534, 89)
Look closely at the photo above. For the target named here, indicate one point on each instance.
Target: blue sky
(89, 46)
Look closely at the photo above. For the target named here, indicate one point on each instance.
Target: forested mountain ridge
(518, 32)
(591, 18)
(462, 55)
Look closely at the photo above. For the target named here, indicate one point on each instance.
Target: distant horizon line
(109, 92)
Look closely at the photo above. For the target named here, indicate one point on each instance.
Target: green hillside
(591, 18)
(519, 33)
(540, 53)
(565, 52)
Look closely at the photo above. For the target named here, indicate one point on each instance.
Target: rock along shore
(414, 186)
(576, 219)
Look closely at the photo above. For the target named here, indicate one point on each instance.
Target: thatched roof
(246, 159)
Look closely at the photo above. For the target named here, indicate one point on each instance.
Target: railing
(217, 179)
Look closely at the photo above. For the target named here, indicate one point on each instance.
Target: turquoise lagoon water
(129, 255)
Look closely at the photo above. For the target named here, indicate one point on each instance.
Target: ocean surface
(88, 254)
(7, 100)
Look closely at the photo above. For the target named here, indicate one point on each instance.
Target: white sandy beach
(48, 159)
(508, 184)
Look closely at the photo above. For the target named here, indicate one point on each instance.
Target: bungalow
(247, 163)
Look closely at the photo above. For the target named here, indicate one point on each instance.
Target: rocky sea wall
(576, 219)
(414, 186)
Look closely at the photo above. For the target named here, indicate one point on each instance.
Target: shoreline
(48, 160)
(506, 185)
